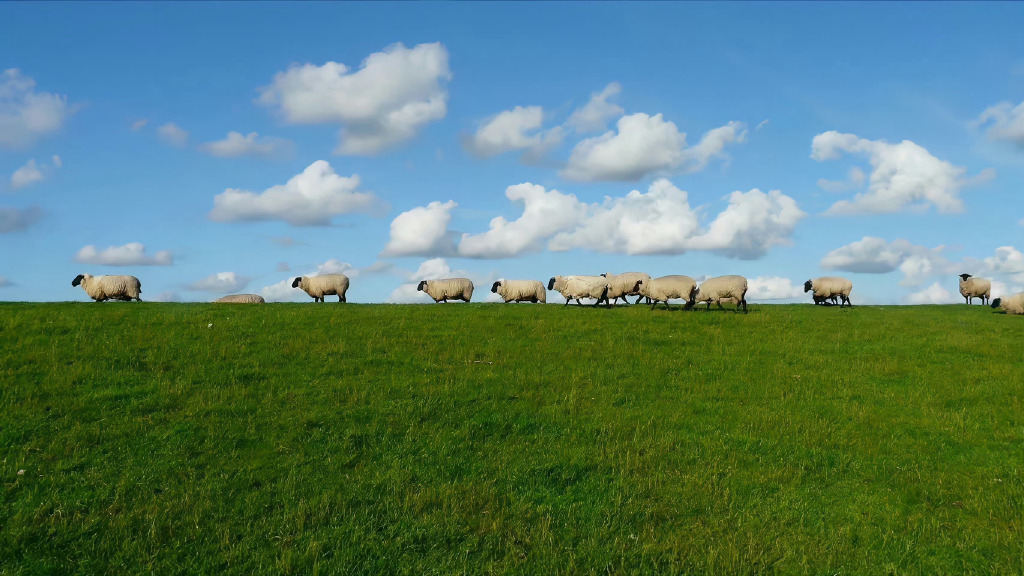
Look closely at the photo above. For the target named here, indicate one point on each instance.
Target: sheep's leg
(744, 302)
(341, 298)
(566, 302)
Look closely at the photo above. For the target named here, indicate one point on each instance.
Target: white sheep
(520, 291)
(622, 285)
(241, 299)
(577, 287)
(448, 288)
(101, 288)
(830, 288)
(723, 288)
(323, 285)
(1011, 304)
(667, 288)
(971, 288)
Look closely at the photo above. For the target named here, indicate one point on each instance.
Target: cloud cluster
(422, 231)
(131, 254)
(393, 95)
(312, 198)
(27, 115)
(1004, 122)
(595, 114)
(516, 129)
(773, 288)
(236, 145)
(220, 283)
(31, 173)
(173, 134)
(14, 219)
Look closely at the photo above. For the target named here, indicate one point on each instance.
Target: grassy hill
(441, 439)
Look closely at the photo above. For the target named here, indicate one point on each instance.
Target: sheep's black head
(296, 282)
(636, 287)
(77, 280)
(494, 287)
(965, 276)
(421, 286)
(605, 275)
(995, 303)
(551, 283)
(807, 286)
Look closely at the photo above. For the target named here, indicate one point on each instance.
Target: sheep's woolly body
(723, 289)
(1011, 304)
(101, 288)
(323, 285)
(830, 288)
(447, 289)
(971, 287)
(668, 288)
(577, 287)
(622, 285)
(241, 299)
(520, 290)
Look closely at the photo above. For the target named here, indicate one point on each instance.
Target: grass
(522, 439)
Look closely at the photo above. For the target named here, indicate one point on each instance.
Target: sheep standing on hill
(449, 288)
(723, 288)
(323, 285)
(622, 285)
(971, 288)
(240, 299)
(101, 288)
(1011, 304)
(520, 291)
(830, 288)
(666, 288)
(577, 287)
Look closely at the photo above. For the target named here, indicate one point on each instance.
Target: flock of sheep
(606, 288)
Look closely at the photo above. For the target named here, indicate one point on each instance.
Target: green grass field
(484, 438)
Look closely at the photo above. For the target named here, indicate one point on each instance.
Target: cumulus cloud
(545, 213)
(14, 219)
(1005, 122)
(312, 198)
(31, 173)
(644, 145)
(753, 223)
(1007, 261)
(595, 114)
(904, 176)
(221, 283)
(393, 95)
(515, 129)
(934, 294)
(236, 145)
(422, 231)
(173, 134)
(27, 115)
(773, 288)
(131, 254)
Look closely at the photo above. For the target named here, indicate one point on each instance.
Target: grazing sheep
(622, 285)
(728, 288)
(520, 291)
(442, 290)
(323, 285)
(971, 288)
(830, 288)
(241, 299)
(101, 288)
(1011, 304)
(576, 287)
(666, 288)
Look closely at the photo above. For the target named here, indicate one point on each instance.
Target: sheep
(323, 285)
(241, 299)
(666, 288)
(971, 288)
(442, 290)
(576, 287)
(622, 285)
(1010, 304)
(520, 291)
(101, 288)
(731, 288)
(829, 288)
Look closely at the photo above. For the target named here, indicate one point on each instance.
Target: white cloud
(385, 103)
(645, 145)
(236, 145)
(595, 114)
(5, 282)
(762, 124)
(904, 176)
(873, 255)
(544, 214)
(1008, 261)
(27, 115)
(139, 124)
(221, 283)
(14, 219)
(753, 223)
(31, 173)
(311, 198)
(515, 129)
(131, 254)
(173, 134)
(773, 288)
(934, 294)
(1005, 122)
(422, 231)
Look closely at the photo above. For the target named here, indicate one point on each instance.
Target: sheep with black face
(101, 288)
(520, 290)
(447, 289)
(323, 285)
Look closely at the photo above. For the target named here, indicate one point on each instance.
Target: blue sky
(883, 142)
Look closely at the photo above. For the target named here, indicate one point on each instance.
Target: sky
(215, 148)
